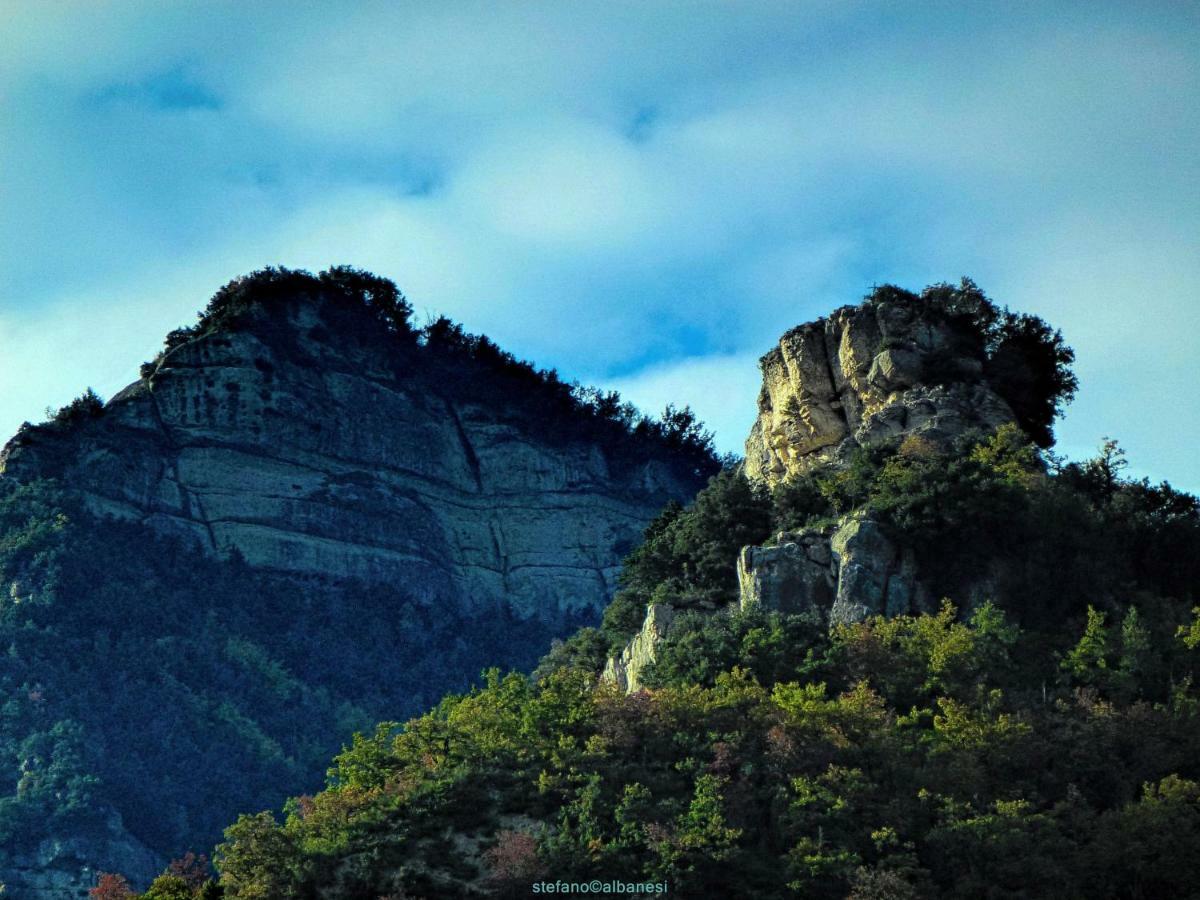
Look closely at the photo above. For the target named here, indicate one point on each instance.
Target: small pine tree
(1087, 662)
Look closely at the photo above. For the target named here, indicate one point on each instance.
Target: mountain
(918, 375)
(304, 516)
(903, 651)
(304, 435)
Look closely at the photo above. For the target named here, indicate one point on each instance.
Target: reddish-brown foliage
(514, 859)
(110, 886)
(191, 868)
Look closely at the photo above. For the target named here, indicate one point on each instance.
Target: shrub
(87, 405)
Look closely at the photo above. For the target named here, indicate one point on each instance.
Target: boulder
(844, 573)
(794, 575)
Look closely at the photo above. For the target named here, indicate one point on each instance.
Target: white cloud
(721, 390)
(573, 187)
(611, 188)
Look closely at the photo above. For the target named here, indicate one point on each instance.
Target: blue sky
(643, 195)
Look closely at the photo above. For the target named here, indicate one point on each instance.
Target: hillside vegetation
(1036, 733)
(1043, 741)
(1043, 746)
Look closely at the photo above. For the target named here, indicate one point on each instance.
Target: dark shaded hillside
(145, 676)
(307, 515)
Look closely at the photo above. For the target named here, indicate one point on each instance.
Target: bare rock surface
(309, 454)
(796, 574)
(841, 573)
(626, 670)
(58, 868)
(863, 376)
(845, 573)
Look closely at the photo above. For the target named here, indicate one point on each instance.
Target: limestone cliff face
(865, 376)
(316, 454)
(862, 376)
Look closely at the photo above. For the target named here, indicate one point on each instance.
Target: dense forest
(1042, 745)
(1042, 741)
(128, 654)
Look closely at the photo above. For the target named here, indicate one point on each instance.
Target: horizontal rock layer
(315, 455)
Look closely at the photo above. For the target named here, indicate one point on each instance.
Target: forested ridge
(1045, 745)
(151, 689)
(1042, 741)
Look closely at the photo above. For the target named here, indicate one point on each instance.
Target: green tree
(256, 860)
(1029, 365)
(1087, 662)
(700, 848)
(169, 887)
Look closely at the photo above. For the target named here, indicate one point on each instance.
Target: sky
(643, 195)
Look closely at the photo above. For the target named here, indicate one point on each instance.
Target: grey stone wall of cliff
(318, 456)
(860, 378)
(840, 574)
(843, 573)
(65, 867)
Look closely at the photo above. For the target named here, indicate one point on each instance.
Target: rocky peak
(865, 375)
(302, 424)
(939, 365)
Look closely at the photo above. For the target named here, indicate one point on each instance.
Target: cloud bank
(642, 195)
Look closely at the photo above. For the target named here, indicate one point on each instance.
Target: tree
(1134, 655)
(513, 862)
(88, 405)
(169, 887)
(256, 861)
(697, 851)
(1029, 365)
(880, 884)
(681, 428)
(1147, 848)
(110, 886)
(1189, 634)
(193, 869)
(1087, 662)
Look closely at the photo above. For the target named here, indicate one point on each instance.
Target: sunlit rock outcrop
(861, 377)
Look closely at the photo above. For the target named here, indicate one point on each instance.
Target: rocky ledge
(840, 573)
